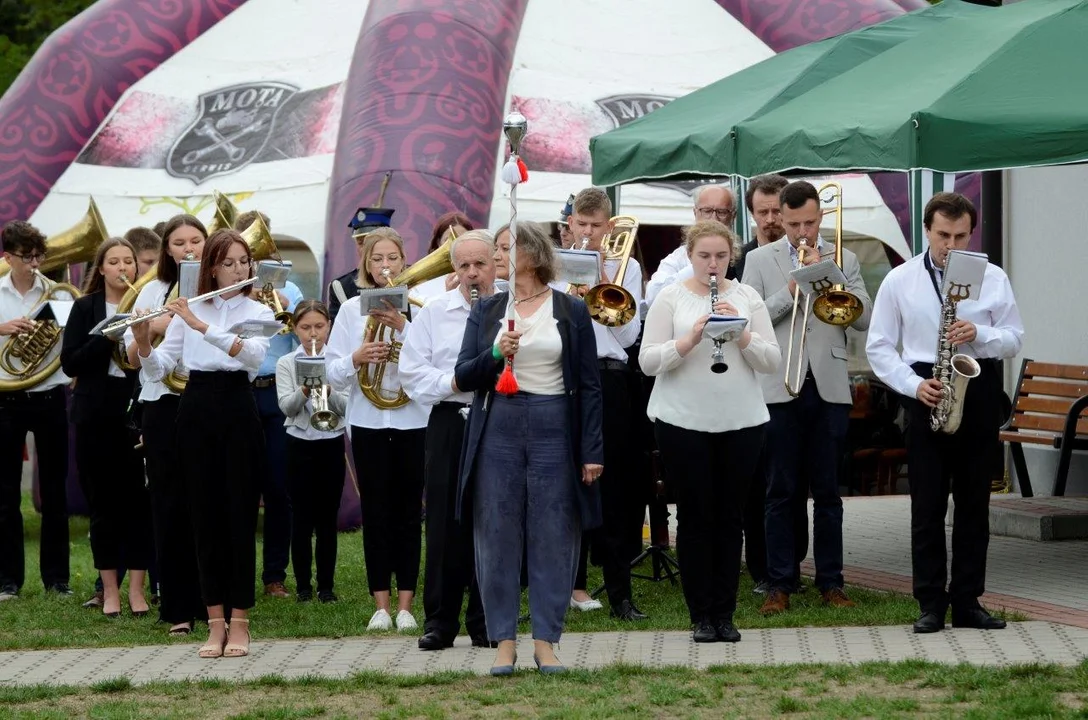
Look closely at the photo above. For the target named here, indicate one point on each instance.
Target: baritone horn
(23, 355)
(609, 302)
(77, 244)
(837, 305)
(434, 265)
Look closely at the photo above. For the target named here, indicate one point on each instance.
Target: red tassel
(523, 170)
(508, 382)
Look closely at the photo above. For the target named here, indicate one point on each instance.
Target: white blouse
(210, 352)
(538, 363)
(347, 336)
(151, 297)
(687, 393)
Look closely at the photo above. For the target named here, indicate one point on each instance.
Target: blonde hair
(363, 278)
(712, 228)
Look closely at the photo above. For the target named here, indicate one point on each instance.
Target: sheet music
(371, 298)
(724, 327)
(580, 267)
(818, 277)
(963, 274)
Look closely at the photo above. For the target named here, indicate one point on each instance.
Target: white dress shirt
(907, 313)
(667, 271)
(687, 393)
(431, 348)
(152, 296)
(347, 336)
(115, 369)
(613, 341)
(210, 351)
(297, 407)
(13, 305)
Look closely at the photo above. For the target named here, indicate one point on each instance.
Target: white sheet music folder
(371, 298)
(580, 267)
(310, 371)
(818, 277)
(724, 327)
(963, 274)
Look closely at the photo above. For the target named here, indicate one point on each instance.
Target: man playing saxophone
(30, 406)
(908, 310)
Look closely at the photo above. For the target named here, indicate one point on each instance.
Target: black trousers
(755, 531)
(451, 556)
(179, 579)
(111, 475)
(45, 415)
(221, 449)
(315, 474)
(711, 473)
(389, 465)
(276, 531)
(623, 498)
(965, 460)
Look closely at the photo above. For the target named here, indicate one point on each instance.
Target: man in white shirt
(39, 409)
(989, 329)
(621, 500)
(427, 361)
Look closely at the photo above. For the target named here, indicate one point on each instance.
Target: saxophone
(953, 371)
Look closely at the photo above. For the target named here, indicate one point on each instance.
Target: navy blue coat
(477, 371)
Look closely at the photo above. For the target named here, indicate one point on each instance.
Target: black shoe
(628, 611)
(976, 618)
(327, 596)
(431, 640)
(9, 592)
(761, 588)
(704, 633)
(930, 622)
(59, 589)
(727, 631)
(481, 641)
(304, 595)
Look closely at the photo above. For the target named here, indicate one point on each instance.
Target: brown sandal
(234, 649)
(214, 651)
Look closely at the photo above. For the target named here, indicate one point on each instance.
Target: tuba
(836, 305)
(23, 356)
(609, 302)
(226, 213)
(77, 244)
(434, 265)
(953, 370)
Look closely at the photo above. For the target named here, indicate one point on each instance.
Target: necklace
(518, 301)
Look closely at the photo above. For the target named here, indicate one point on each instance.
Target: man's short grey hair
(479, 235)
(697, 193)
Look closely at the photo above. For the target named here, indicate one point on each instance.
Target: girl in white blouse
(179, 581)
(709, 426)
(315, 458)
(386, 445)
(220, 443)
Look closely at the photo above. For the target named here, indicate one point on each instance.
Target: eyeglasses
(40, 257)
(228, 264)
(720, 213)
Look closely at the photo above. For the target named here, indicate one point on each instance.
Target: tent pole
(991, 216)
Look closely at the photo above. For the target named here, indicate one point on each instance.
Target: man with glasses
(40, 409)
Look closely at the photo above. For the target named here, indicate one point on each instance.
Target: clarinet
(717, 358)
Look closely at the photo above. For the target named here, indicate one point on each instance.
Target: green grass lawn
(885, 690)
(37, 620)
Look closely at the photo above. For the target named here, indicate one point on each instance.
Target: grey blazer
(292, 401)
(767, 269)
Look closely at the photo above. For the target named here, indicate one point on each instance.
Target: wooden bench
(1048, 409)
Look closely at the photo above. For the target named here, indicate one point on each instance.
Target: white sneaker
(380, 621)
(586, 605)
(405, 621)
(8, 595)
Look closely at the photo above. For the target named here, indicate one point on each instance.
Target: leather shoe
(704, 633)
(930, 622)
(481, 641)
(727, 631)
(976, 618)
(776, 602)
(431, 640)
(628, 611)
(276, 589)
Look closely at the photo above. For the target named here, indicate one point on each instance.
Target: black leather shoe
(304, 595)
(628, 611)
(59, 589)
(930, 622)
(727, 631)
(327, 596)
(704, 633)
(976, 618)
(431, 640)
(482, 642)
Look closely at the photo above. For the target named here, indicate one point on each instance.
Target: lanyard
(933, 277)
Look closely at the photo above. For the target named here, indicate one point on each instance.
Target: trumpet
(717, 358)
(322, 418)
(794, 388)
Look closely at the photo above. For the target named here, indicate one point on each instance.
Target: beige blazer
(767, 269)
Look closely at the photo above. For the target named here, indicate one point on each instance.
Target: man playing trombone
(427, 362)
(38, 408)
(808, 423)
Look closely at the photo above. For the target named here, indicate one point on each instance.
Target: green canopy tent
(691, 136)
(1003, 89)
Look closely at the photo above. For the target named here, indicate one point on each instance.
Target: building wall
(1046, 236)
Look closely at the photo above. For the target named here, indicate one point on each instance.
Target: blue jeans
(804, 441)
(524, 496)
(277, 503)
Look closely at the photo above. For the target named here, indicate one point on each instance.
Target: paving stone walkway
(1027, 642)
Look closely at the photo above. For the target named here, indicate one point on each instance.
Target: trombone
(837, 305)
(794, 389)
(609, 302)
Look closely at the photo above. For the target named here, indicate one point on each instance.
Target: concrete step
(1040, 518)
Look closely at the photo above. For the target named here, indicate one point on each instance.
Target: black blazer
(477, 371)
(86, 359)
(347, 283)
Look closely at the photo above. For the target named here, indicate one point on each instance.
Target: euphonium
(322, 418)
(609, 302)
(77, 244)
(953, 370)
(225, 213)
(24, 354)
(837, 305)
(436, 264)
(717, 358)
